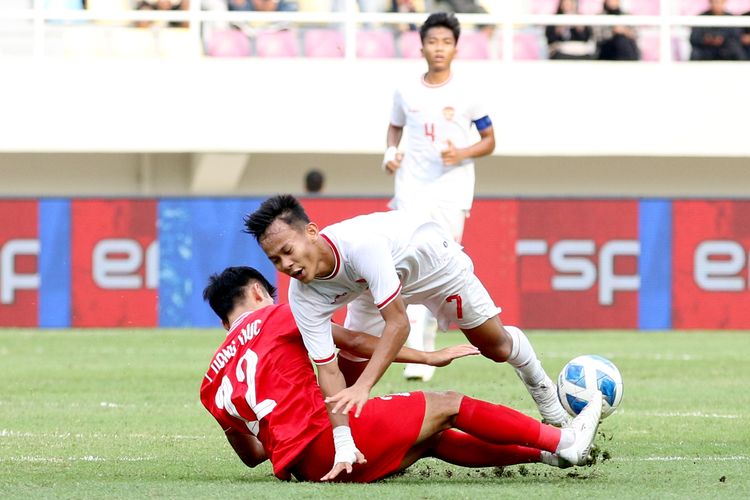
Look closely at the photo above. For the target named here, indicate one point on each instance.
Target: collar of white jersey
(435, 85)
(239, 320)
(336, 258)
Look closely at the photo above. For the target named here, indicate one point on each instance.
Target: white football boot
(554, 460)
(545, 397)
(584, 425)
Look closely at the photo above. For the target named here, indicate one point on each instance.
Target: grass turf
(115, 414)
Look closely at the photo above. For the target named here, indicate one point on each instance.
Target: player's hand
(339, 466)
(351, 398)
(443, 357)
(451, 156)
(395, 163)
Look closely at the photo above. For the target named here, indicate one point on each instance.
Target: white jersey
(386, 253)
(431, 115)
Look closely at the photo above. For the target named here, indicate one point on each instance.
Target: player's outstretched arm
(247, 447)
(331, 381)
(363, 345)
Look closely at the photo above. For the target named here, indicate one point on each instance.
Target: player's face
(292, 250)
(439, 48)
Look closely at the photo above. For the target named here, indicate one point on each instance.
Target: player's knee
(447, 402)
(500, 350)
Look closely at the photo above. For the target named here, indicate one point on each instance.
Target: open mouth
(297, 274)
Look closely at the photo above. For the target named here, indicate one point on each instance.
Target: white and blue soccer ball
(582, 377)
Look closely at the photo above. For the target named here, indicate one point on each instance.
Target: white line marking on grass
(86, 458)
(680, 414)
(731, 458)
(66, 435)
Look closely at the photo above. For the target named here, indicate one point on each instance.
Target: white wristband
(344, 444)
(390, 155)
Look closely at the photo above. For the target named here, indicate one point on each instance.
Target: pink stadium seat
(649, 45)
(544, 6)
(473, 45)
(643, 7)
(527, 46)
(409, 45)
(228, 43)
(692, 7)
(276, 44)
(738, 6)
(590, 7)
(323, 43)
(648, 42)
(375, 44)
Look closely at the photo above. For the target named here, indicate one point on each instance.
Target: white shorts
(454, 296)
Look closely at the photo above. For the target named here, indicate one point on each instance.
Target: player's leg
(499, 435)
(421, 337)
(475, 313)
(423, 324)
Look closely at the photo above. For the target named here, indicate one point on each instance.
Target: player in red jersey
(261, 388)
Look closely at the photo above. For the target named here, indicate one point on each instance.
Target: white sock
(523, 358)
(417, 314)
(567, 438)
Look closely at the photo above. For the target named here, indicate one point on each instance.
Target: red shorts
(385, 431)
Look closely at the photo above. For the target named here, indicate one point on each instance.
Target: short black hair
(282, 206)
(225, 289)
(441, 19)
(314, 181)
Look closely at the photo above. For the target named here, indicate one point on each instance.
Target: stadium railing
(669, 28)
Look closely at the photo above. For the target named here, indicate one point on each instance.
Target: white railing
(351, 20)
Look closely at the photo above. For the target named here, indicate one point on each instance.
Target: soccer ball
(585, 374)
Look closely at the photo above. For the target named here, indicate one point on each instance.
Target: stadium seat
(544, 6)
(409, 45)
(228, 43)
(589, 7)
(738, 7)
(692, 7)
(648, 42)
(323, 43)
(473, 45)
(643, 8)
(527, 45)
(375, 44)
(274, 43)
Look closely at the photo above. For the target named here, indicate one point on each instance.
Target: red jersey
(261, 380)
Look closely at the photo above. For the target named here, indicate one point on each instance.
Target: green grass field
(115, 414)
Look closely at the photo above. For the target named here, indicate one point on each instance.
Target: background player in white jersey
(434, 175)
(377, 264)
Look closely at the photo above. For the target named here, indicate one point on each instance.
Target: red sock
(499, 424)
(463, 449)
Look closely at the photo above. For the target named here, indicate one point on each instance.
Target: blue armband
(483, 123)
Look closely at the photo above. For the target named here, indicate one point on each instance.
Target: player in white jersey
(434, 176)
(378, 263)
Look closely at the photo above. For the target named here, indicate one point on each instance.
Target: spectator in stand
(262, 5)
(407, 7)
(745, 39)
(716, 43)
(314, 181)
(570, 42)
(616, 43)
(162, 5)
